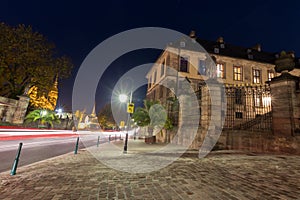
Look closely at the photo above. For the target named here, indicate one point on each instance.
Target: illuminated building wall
(45, 101)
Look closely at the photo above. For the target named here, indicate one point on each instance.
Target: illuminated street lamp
(124, 98)
(59, 112)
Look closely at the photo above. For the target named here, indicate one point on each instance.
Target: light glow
(123, 98)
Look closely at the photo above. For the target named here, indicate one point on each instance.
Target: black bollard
(109, 139)
(15, 165)
(115, 137)
(120, 137)
(76, 147)
(98, 141)
(125, 145)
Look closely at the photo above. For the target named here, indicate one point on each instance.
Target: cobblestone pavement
(220, 175)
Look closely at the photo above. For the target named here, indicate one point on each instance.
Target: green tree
(105, 117)
(43, 117)
(27, 59)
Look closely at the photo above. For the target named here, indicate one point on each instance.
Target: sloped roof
(237, 51)
(229, 50)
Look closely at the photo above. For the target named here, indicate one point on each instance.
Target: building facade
(245, 73)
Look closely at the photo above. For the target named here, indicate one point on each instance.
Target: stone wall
(248, 141)
(13, 111)
(259, 142)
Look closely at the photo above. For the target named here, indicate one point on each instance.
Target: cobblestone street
(220, 175)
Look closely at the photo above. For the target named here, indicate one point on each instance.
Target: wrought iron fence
(248, 108)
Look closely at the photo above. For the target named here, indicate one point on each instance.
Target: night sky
(76, 27)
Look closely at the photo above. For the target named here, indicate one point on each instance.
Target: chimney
(220, 40)
(291, 53)
(193, 34)
(257, 47)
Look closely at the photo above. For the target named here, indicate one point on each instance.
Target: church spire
(55, 85)
(94, 110)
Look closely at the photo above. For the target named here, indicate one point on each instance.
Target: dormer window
(250, 56)
(248, 50)
(222, 45)
(182, 44)
(216, 50)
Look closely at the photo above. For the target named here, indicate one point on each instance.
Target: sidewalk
(221, 175)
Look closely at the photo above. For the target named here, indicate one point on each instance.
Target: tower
(53, 95)
(44, 102)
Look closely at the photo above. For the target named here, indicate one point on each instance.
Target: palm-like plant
(43, 117)
(142, 115)
(152, 115)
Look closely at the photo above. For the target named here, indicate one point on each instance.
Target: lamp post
(123, 98)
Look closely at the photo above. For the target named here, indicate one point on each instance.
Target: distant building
(45, 101)
(87, 121)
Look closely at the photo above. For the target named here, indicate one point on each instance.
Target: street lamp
(124, 98)
(59, 112)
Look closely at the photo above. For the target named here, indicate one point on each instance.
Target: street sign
(122, 124)
(130, 107)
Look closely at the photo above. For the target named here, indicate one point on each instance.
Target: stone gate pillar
(284, 97)
(213, 106)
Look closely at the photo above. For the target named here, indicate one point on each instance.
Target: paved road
(221, 175)
(34, 150)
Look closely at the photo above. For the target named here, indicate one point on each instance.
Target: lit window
(183, 64)
(271, 75)
(266, 101)
(220, 70)
(256, 76)
(237, 73)
(258, 101)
